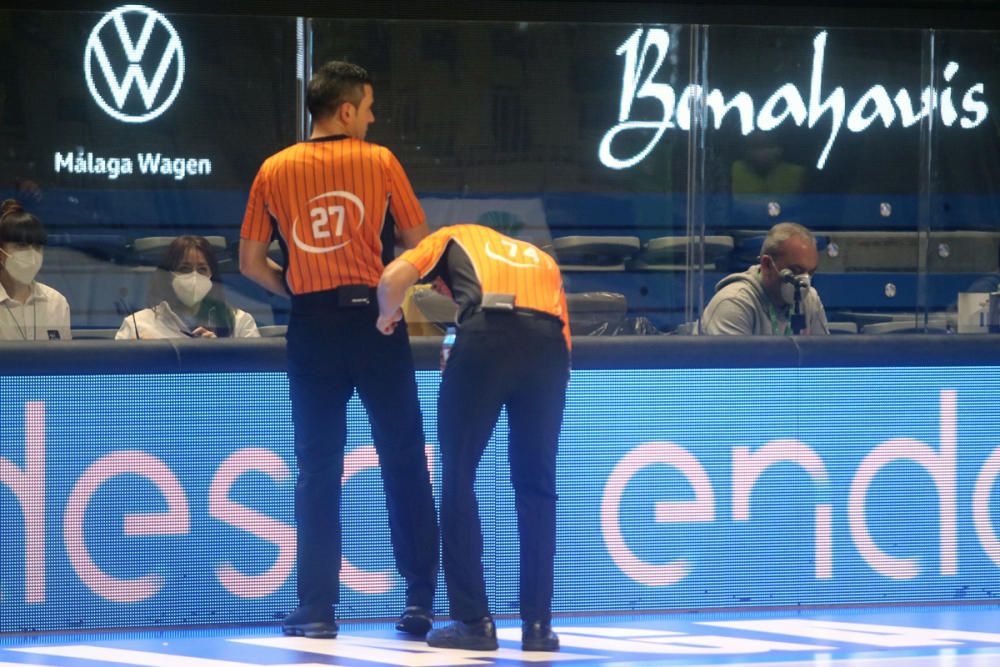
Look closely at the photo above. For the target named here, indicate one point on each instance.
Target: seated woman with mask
(190, 302)
(29, 310)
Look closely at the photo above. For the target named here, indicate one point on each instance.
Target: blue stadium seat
(594, 253)
(670, 253)
(149, 250)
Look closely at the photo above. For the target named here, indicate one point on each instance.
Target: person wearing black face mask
(29, 310)
(774, 297)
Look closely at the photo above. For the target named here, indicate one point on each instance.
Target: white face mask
(191, 287)
(788, 288)
(23, 265)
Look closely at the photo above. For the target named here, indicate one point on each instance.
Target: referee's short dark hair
(333, 84)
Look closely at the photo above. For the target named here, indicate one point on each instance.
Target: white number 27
(321, 219)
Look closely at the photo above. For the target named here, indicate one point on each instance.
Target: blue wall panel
(137, 500)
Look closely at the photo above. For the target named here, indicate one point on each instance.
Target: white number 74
(530, 251)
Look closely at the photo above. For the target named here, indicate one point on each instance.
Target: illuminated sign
(167, 499)
(146, 164)
(119, 84)
(134, 67)
(645, 51)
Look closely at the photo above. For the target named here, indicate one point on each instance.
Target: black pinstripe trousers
(332, 351)
(521, 362)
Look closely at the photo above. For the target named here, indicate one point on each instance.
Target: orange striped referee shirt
(329, 198)
(499, 265)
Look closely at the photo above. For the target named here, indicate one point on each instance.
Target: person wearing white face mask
(190, 302)
(29, 310)
(761, 301)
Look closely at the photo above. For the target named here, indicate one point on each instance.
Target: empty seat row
(620, 253)
(840, 251)
(942, 252)
(889, 251)
(83, 251)
(892, 322)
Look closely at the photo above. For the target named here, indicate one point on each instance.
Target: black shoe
(416, 620)
(538, 636)
(315, 622)
(479, 635)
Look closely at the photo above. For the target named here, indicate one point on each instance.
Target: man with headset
(774, 297)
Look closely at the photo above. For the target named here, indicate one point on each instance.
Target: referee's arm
(258, 267)
(414, 235)
(398, 277)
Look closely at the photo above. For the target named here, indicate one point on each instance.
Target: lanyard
(774, 317)
(34, 320)
(774, 322)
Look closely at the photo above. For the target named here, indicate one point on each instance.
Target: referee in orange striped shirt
(333, 202)
(512, 349)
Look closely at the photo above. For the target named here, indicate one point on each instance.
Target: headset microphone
(798, 319)
(788, 277)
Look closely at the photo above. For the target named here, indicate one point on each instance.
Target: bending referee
(512, 349)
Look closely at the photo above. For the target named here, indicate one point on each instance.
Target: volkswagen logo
(134, 46)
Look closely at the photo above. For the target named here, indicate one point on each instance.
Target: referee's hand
(387, 323)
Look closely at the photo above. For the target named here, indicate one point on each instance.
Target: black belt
(344, 297)
(520, 312)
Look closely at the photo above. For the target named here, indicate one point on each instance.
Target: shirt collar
(329, 137)
(36, 294)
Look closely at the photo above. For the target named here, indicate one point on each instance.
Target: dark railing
(100, 357)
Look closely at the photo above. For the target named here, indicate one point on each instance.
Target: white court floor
(911, 636)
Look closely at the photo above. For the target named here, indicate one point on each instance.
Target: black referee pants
(522, 362)
(332, 351)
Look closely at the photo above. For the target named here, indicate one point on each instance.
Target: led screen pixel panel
(132, 501)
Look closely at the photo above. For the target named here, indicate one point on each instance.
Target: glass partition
(649, 159)
(544, 131)
(823, 128)
(126, 129)
(963, 260)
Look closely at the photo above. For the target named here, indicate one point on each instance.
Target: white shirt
(43, 316)
(161, 321)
